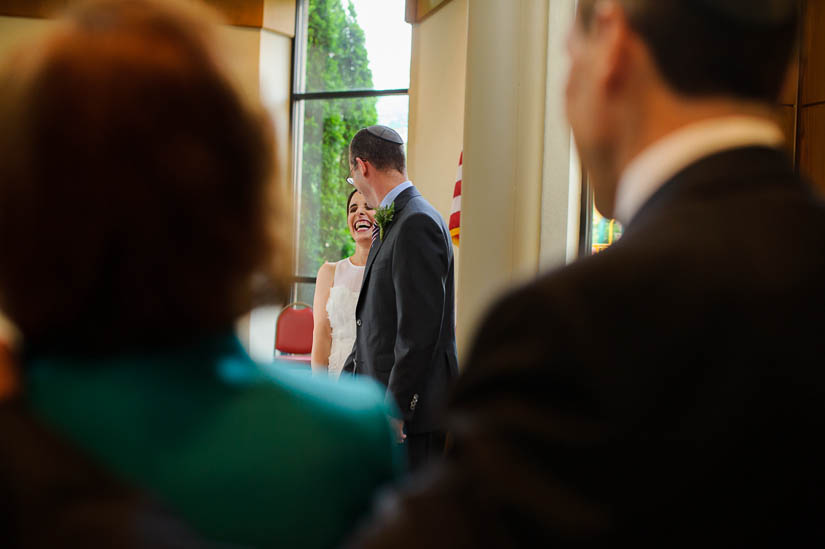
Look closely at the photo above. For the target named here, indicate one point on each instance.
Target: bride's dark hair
(349, 199)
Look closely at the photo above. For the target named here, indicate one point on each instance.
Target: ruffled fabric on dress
(343, 298)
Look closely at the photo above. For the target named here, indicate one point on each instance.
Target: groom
(405, 318)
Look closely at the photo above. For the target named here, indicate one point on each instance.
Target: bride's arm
(322, 332)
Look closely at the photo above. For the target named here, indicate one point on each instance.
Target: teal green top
(265, 456)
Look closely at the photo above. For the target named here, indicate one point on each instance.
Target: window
(352, 66)
(597, 232)
(604, 232)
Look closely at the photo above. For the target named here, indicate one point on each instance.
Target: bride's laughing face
(360, 218)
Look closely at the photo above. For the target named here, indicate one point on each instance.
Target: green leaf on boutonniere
(383, 217)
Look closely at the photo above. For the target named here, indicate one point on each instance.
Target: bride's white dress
(343, 297)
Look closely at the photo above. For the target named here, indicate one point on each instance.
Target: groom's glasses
(350, 180)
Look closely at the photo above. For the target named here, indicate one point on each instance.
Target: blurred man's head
(134, 181)
(376, 156)
(640, 68)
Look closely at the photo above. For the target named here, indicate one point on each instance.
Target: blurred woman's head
(360, 218)
(136, 204)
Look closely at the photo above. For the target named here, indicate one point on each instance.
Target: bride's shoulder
(326, 273)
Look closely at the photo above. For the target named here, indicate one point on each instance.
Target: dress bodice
(343, 298)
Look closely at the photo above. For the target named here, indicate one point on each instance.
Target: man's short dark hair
(716, 47)
(383, 154)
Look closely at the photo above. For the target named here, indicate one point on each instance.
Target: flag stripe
(455, 210)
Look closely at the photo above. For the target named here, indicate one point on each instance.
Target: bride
(336, 293)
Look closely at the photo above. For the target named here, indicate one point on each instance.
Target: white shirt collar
(659, 162)
(393, 194)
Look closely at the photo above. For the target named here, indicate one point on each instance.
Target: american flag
(455, 212)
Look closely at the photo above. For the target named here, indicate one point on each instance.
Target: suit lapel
(400, 201)
(371, 256)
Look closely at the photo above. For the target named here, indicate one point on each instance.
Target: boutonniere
(383, 217)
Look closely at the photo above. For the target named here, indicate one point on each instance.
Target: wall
(436, 123)
(261, 63)
(520, 186)
(811, 109)
(241, 47)
(275, 79)
(786, 111)
(15, 30)
(561, 176)
(274, 70)
(498, 69)
(801, 110)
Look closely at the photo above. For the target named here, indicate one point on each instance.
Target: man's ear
(366, 167)
(612, 35)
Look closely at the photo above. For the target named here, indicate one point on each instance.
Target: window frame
(297, 100)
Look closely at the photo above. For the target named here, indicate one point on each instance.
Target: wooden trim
(585, 215)
(800, 45)
(812, 66)
(789, 94)
(418, 10)
(241, 13)
(279, 16)
(40, 9)
(812, 136)
(9, 371)
(275, 15)
(346, 94)
(409, 11)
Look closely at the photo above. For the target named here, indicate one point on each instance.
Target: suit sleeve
(349, 363)
(420, 268)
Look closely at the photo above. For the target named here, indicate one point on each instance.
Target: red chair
(293, 332)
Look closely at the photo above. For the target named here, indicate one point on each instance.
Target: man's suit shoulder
(560, 287)
(706, 246)
(419, 217)
(418, 205)
(563, 317)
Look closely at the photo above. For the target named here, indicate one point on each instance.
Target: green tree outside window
(336, 60)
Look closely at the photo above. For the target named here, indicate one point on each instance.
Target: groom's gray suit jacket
(405, 317)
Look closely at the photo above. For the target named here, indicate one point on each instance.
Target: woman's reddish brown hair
(137, 205)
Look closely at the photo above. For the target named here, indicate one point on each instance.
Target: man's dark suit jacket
(51, 495)
(667, 392)
(405, 317)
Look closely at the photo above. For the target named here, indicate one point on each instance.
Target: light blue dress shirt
(393, 194)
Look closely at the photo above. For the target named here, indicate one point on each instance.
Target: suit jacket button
(413, 402)
(358, 322)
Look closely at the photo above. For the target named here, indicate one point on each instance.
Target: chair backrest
(293, 329)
